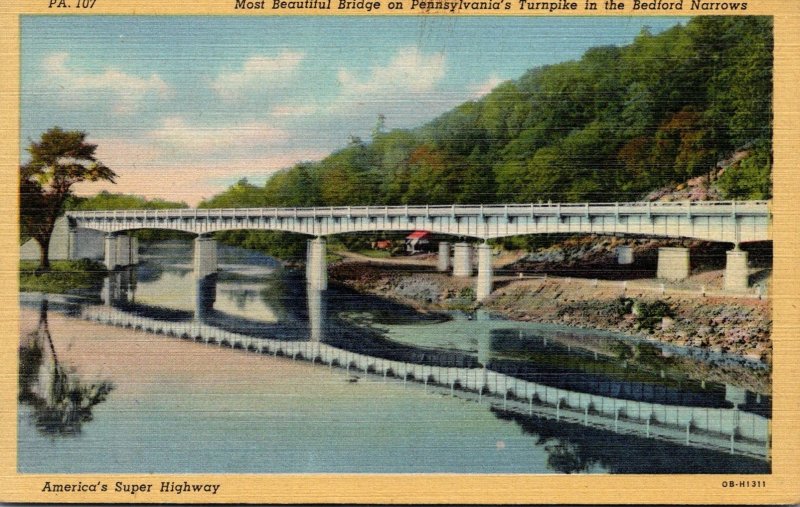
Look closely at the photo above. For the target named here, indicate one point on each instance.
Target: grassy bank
(62, 277)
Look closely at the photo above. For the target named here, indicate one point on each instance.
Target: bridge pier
(120, 250)
(72, 244)
(484, 284)
(462, 260)
(110, 246)
(205, 257)
(443, 263)
(123, 250)
(736, 274)
(316, 264)
(673, 263)
(624, 255)
(134, 250)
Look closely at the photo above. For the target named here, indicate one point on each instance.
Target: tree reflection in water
(60, 402)
(567, 458)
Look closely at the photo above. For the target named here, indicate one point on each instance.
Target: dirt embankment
(734, 325)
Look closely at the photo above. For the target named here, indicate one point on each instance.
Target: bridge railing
(708, 208)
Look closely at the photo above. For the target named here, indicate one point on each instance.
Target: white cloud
(479, 90)
(127, 91)
(181, 138)
(410, 71)
(145, 171)
(256, 73)
(406, 90)
(287, 111)
(185, 161)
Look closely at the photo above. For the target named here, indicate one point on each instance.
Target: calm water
(102, 399)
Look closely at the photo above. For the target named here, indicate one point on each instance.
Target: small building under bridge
(418, 241)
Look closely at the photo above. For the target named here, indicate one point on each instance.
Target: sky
(183, 107)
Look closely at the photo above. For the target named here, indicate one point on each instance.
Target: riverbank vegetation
(62, 276)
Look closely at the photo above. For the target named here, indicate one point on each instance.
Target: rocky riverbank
(734, 325)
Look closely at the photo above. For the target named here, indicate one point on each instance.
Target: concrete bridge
(723, 429)
(722, 221)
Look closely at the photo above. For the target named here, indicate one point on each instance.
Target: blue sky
(181, 107)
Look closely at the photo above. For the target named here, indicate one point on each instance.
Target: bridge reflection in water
(516, 386)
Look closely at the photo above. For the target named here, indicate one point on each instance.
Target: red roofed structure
(417, 241)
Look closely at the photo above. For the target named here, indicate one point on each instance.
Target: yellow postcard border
(782, 487)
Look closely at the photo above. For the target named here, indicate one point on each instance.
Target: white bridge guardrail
(726, 221)
(685, 208)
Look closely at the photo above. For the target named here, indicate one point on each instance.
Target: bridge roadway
(723, 429)
(723, 221)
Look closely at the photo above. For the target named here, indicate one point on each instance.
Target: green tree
(58, 161)
(750, 178)
(106, 200)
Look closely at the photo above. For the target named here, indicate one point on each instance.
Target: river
(101, 398)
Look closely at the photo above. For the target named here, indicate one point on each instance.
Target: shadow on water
(574, 448)
(341, 330)
(61, 403)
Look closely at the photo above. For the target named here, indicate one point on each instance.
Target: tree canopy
(613, 125)
(59, 160)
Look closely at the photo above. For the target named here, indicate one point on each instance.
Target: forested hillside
(106, 200)
(617, 123)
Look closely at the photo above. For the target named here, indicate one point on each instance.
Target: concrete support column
(110, 243)
(736, 273)
(673, 263)
(205, 257)
(624, 255)
(123, 250)
(484, 285)
(72, 245)
(134, 250)
(462, 260)
(443, 263)
(317, 265)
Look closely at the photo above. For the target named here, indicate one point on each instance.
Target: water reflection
(574, 448)
(258, 299)
(205, 296)
(317, 314)
(61, 403)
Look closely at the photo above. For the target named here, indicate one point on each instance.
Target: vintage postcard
(407, 251)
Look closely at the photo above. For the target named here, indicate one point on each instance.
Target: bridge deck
(729, 221)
